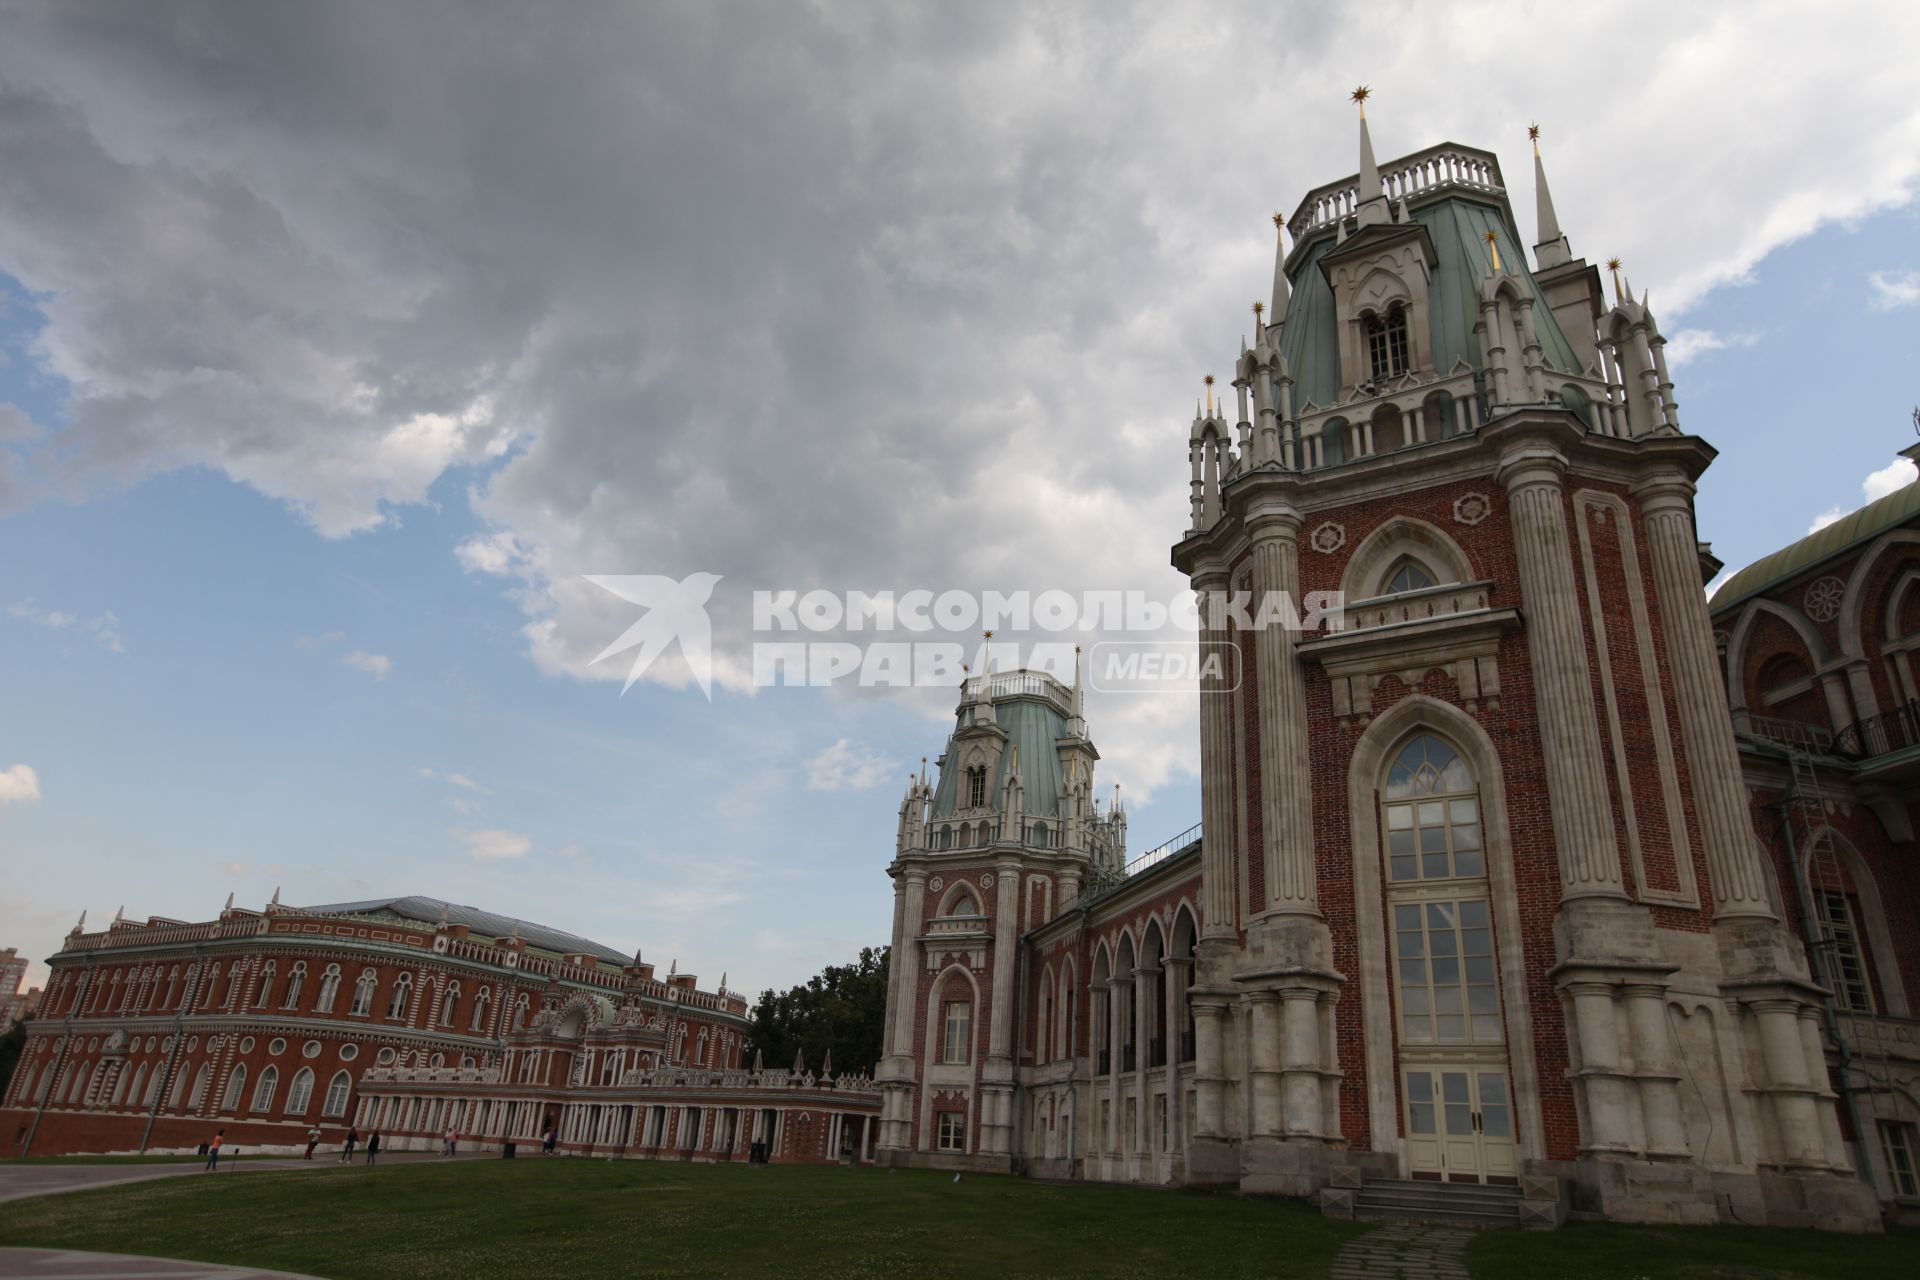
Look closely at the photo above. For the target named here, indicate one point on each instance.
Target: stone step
(1466, 1204)
(1481, 1221)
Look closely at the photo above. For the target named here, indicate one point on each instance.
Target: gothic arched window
(1408, 575)
(977, 786)
(329, 988)
(1432, 812)
(1387, 344)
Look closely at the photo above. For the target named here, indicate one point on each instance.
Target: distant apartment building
(15, 1003)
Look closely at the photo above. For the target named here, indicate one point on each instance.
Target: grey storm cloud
(804, 294)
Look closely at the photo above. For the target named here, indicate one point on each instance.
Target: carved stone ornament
(1328, 538)
(936, 884)
(986, 881)
(1471, 508)
(1823, 599)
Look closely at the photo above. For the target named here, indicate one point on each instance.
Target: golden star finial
(1613, 264)
(1533, 133)
(1361, 95)
(1258, 308)
(1279, 221)
(1490, 236)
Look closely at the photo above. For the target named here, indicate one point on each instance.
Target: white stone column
(1264, 1064)
(1790, 1084)
(1300, 1061)
(1734, 858)
(1609, 1091)
(1209, 1067)
(1654, 1072)
(1179, 971)
(1116, 998)
(1142, 1055)
(1574, 763)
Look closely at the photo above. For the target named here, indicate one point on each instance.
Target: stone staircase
(1460, 1204)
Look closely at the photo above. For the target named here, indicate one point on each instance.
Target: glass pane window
(1408, 576)
(953, 1131)
(1847, 969)
(1896, 1145)
(1433, 831)
(1420, 1102)
(1444, 960)
(959, 1017)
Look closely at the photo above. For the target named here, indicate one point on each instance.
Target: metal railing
(1891, 731)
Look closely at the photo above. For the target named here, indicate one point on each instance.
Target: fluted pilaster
(1575, 766)
(1285, 799)
(1217, 861)
(1706, 724)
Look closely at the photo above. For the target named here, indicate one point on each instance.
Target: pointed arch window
(977, 787)
(301, 1092)
(1432, 814)
(337, 1090)
(264, 1091)
(1407, 575)
(236, 1089)
(1845, 960)
(1387, 343)
(363, 994)
(449, 1003)
(480, 1001)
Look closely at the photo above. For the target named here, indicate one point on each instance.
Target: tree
(842, 1008)
(16, 1039)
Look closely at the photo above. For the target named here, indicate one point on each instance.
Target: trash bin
(506, 1151)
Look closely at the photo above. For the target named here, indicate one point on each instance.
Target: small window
(957, 1046)
(953, 1131)
(977, 787)
(1896, 1145)
(397, 1003)
(1408, 575)
(1387, 344)
(363, 994)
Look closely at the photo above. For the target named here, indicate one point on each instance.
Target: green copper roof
(1842, 535)
(1310, 340)
(1032, 724)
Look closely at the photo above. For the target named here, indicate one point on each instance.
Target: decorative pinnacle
(1279, 222)
(1492, 238)
(1209, 381)
(1613, 266)
(1533, 135)
(1259, 307)
(1359, 98)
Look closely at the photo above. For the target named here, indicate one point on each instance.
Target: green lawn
(1612, 1251)
(585, 1218)
(582, 1218)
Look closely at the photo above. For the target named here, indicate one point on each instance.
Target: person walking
(353, 1140)
(453, 1136)
(313, 1140)
(546, 1146)
(213, 1149)
(373, 1146)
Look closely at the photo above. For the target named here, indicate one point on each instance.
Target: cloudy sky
(338, 342)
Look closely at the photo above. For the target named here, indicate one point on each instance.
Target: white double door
(1459, 1121)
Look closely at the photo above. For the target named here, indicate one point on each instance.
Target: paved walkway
(66, 1264)
(33, 1179)
(1405, 1251)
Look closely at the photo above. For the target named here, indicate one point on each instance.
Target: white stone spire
(1551, 249)
(1372, 200)
(1282, 290)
